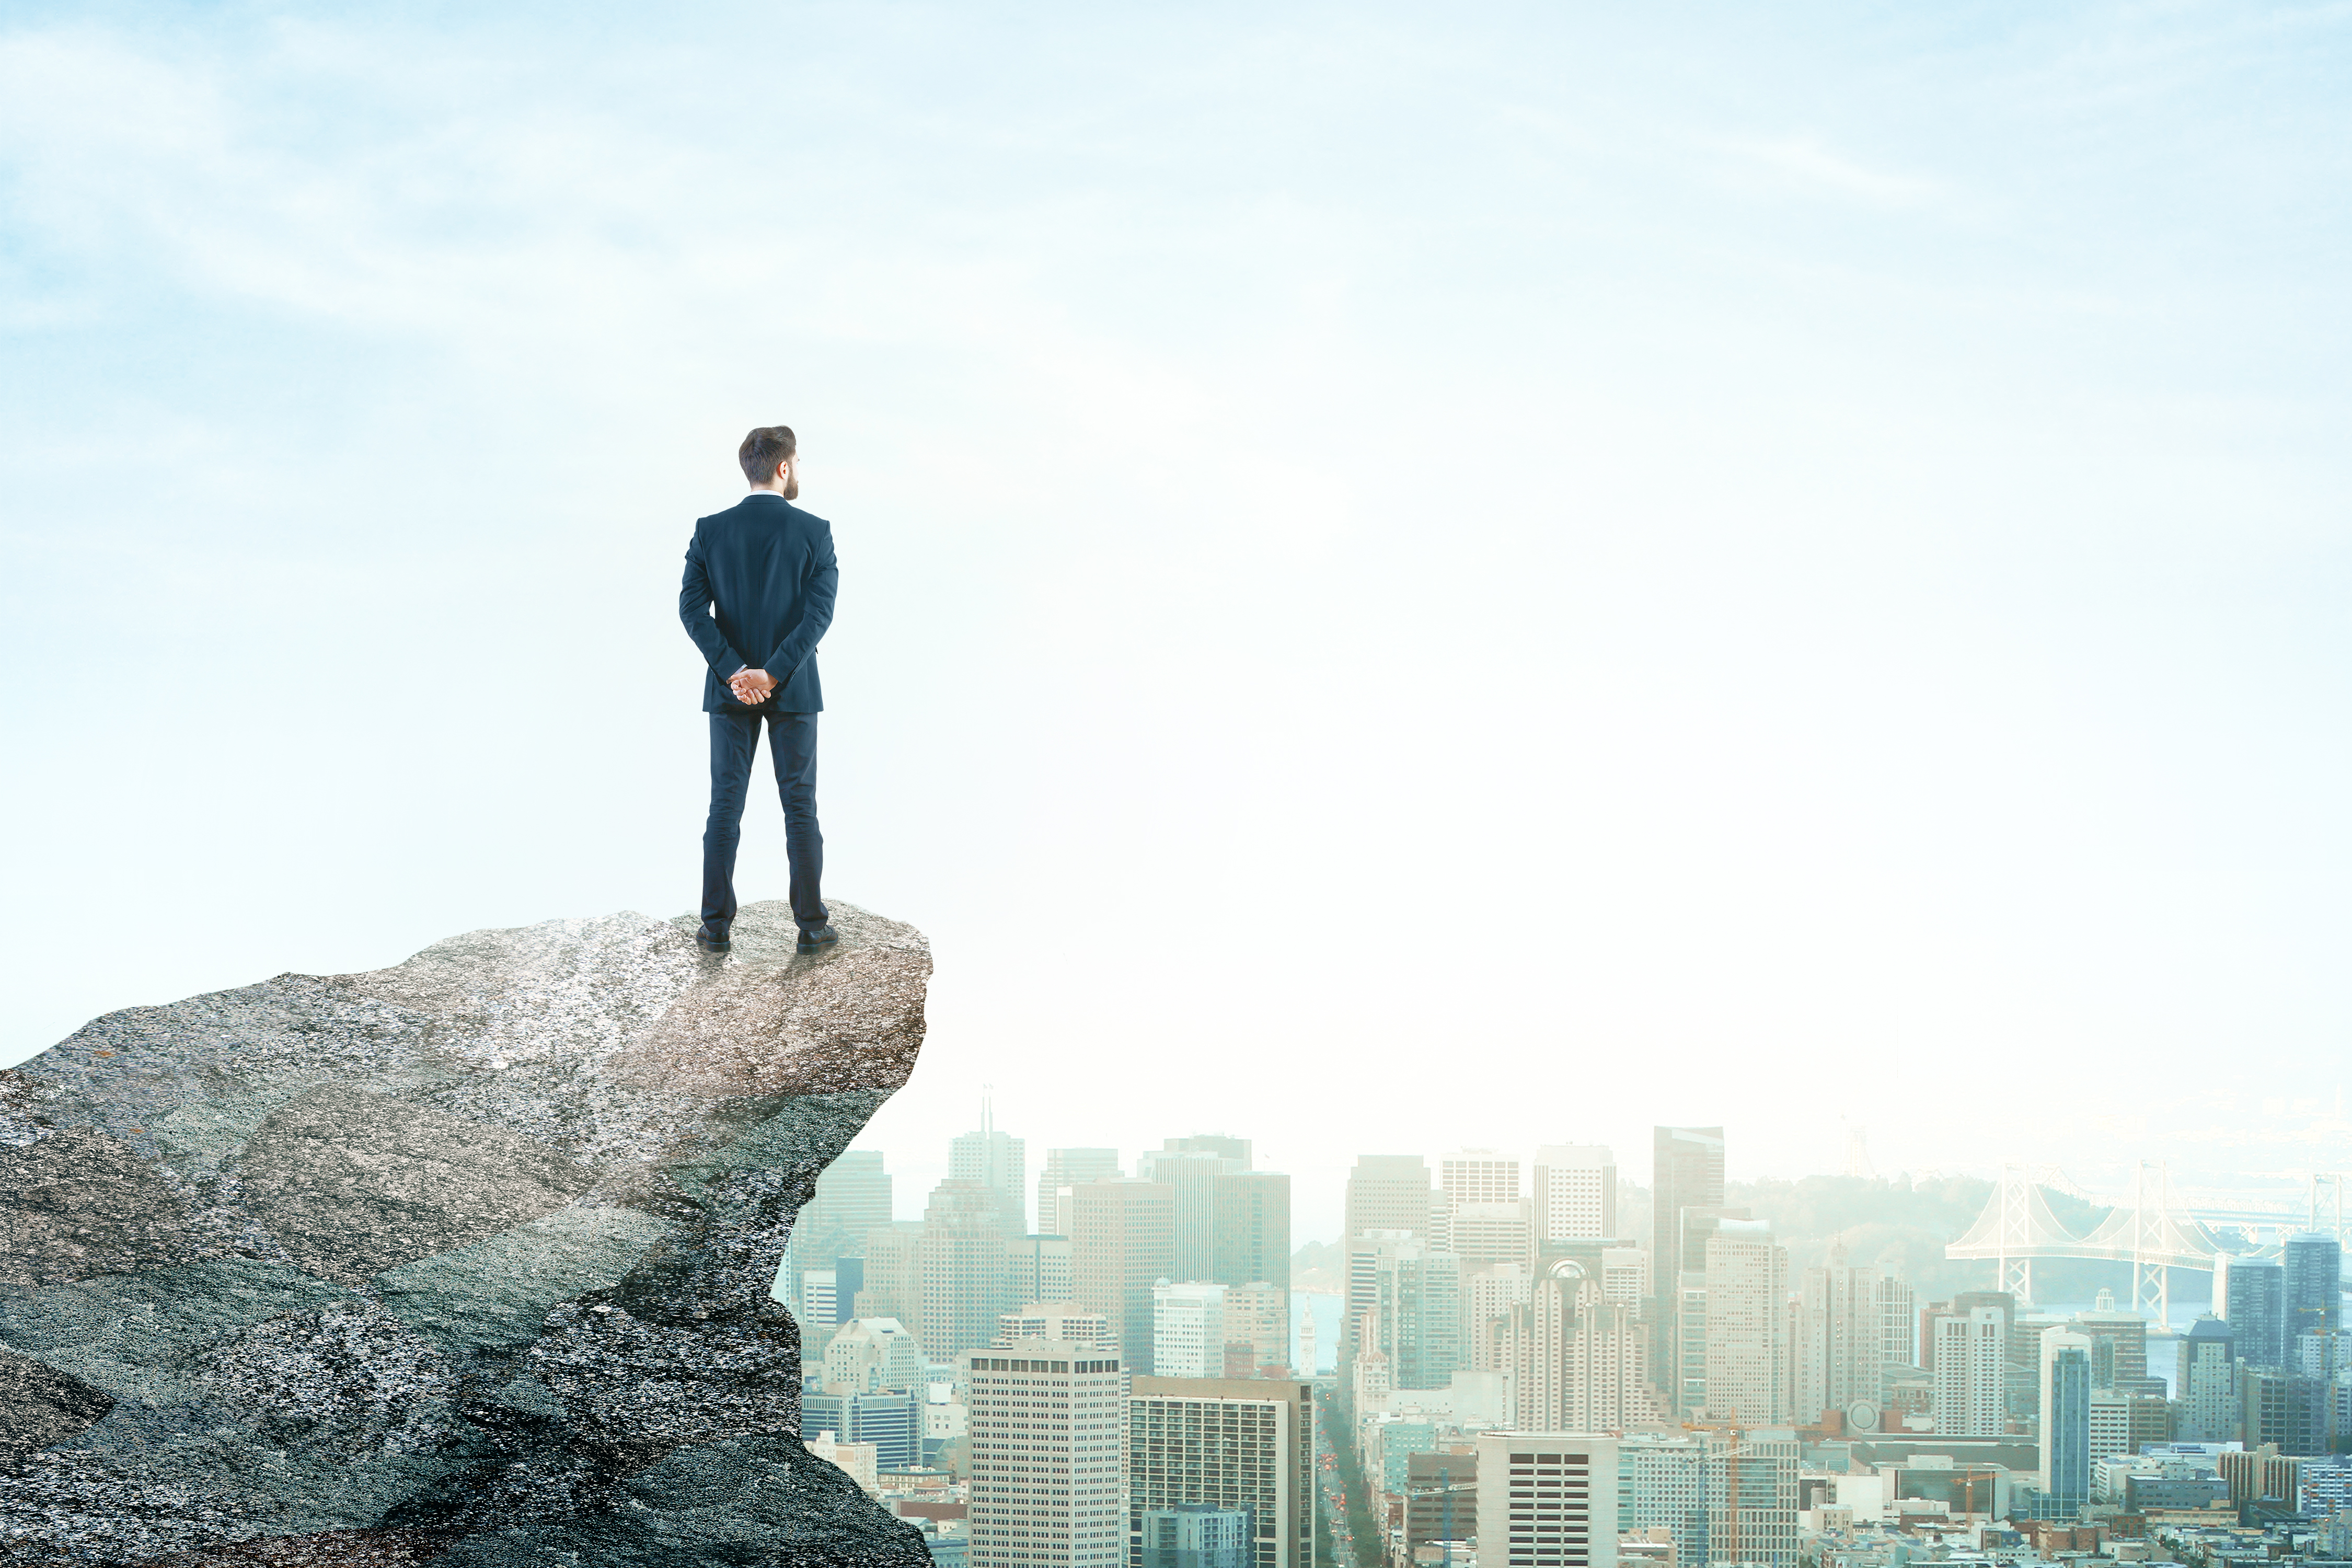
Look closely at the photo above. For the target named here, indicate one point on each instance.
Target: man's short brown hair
(762, 449)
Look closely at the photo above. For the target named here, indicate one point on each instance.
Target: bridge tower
(2327, 1202)
(2151, 1206)
(2013, 1262)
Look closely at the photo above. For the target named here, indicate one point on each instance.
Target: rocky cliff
(463, 1262)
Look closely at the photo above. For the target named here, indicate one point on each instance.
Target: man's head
(768, 454)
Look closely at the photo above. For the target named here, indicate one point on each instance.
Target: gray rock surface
(465, 1262)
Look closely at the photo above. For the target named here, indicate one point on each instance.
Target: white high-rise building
(1898, 1317)
(866, 1356)
(1064, 1169)
(1972, 1373)
(1625, 1274)
(1037, 1268)
(818, 1311)
(1485, 1234)
(1192, 1175)
(1668, 1481)
(1581, 1361)
(1478, 1176)
(1488, 1299)
(1233, 1443)
(1841, 1340)
(1575, 1192)
(1746, 1324)
(1187, 1330)
(1056, 1320)
(1546, 1499)
(1046, 1435)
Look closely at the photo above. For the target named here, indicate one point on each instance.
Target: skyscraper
(1478, 1176)
(1842, 1338)
(1046, 1443)
(2206, 1380)
(1056, 1320)
(1746, 1324)
(1241, 1445)
(1387, 1195)
(1546, 1499)
(893, 1283)
(1238, 1150)
(1971, 1373)
(1575, 1193)
(2066, 1420)
(1416, 1309)
(1580, 1362)
(1687, 1172)
(1187, 1330)
(1066, 1168)
(2252, 1299)
(2315, 1288)
(1252, 1216)
(999, 1162)
(1038, 1268)
(1192, 1175)
(1122, 1242)
(966, 1277)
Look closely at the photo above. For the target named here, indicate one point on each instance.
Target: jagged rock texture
(463, 1262)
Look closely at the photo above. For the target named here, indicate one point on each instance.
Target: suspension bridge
(2153, 1233)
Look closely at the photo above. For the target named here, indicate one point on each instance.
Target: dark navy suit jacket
(760, 581)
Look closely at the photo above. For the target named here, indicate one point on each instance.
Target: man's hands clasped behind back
(752, 686)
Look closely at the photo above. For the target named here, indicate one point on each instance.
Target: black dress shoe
(813, 940)
(712, 937)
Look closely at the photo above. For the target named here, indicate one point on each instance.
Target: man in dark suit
(759, 580)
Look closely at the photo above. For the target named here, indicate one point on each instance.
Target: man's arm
(816, 613)
(694, 609)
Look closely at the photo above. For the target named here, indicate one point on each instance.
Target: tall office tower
(1056, 1320)
(1238, 1150)
(819, 1308)
(1037, 1268)
(1668, 1481)
(894, 1274)
(2066, 1419)
(1046, 1443)
(1685, 1172)
(1441, 1501)
(1483, 1235)
(1258, 1329)
(1972, 1373)
(1546, 1499)
(1898, 1318)
(1122, 1242)
(1488, 1300)
(2250, 1295)
(1251, 1243)
(1194, 1535)
(1478, 1176)
(1187, 1330)
(999, 1162)
(1746, 1324)
(965, 1274)
(852, 1197)
(1687, 1357)
(1387, 1195)
(866, 1356)
(1416, 1309)
(1625, 1274)
(1752, 1516)
(2118, 1343)
(1194, 1176)
(1236, 1443)
(2206, 1375)
(1575, 1192)
(2315, 1290)
(1841, 1339)
(2124, 1424)
(1580, 1362)
(1064, 1169)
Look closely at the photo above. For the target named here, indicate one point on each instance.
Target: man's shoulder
(759, 508)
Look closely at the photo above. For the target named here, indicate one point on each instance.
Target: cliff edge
(463, 1262)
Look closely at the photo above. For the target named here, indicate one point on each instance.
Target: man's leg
(791, 740)
(733, 739)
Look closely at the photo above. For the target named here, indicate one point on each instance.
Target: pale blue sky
(1411, 575)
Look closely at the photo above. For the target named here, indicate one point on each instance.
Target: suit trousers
(791, 745)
